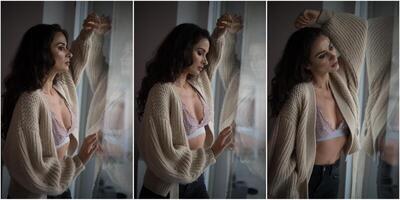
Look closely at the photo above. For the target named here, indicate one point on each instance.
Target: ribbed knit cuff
(324, 16)
(155, 184)
(78, 164)
(211, 156)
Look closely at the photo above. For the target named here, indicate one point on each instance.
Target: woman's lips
(334, 64)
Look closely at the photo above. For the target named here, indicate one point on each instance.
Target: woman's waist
(62, 150)
(327, 152)
(197, 142)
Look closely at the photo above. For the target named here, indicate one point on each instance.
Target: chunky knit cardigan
(29, 152)
(163, 143)
(293, 146)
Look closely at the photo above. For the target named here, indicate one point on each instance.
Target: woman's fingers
(92, 145)
(93, 149)
(302, 20)
(92, 137)
(301, 23)
(226, 129)
(225, 134)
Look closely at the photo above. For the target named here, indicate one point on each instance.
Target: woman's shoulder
(161, 91)
(301, 90)
(299, 97)
(161, 88)
(31, 97)
(30, 102)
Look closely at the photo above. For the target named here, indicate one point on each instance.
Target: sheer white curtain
(375, 170)
(117, 128)
(244, 105)
(250, 118)
(109, 109)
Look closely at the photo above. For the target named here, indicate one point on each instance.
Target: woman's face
(323, 56)
(199, 53)
(61, 54)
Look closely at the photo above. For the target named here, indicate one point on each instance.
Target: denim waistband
(326, 169)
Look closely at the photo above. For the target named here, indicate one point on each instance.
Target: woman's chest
(60, 111)
(192, 103)
(328, 109)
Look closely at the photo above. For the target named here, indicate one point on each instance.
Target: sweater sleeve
(96, 66)
(282, 174)
(228, 64)
(80, 55)
(348, 33)
(167, 154)
(214, 55)
(29, 152)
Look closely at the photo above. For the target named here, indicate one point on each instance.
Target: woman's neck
(321, 81)
(181, 81)
(48, 84)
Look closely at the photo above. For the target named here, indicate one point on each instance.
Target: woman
(176, 107)
(39, 120)
(314, 103)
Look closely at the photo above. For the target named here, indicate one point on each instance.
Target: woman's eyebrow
(323, 51)
(62, 43)
(199, 48)
(317, 54)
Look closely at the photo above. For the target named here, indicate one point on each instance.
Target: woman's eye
(199, 53)
(321, 56)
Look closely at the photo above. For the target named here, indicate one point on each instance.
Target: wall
(153, 20)
(192, 12)
(16, 19)
(280, 25)
(281, 17)
(62, 13)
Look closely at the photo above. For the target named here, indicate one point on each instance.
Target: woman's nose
(69, 54)
(333, 55)
(205, 62)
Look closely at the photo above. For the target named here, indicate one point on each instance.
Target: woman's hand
(98, 24)
(230, 23)
(223, 140)
(89, 146)
(307, 18)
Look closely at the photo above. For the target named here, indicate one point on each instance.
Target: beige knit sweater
(293, 146)
(29, 152)
(229, 71)
(162, 142)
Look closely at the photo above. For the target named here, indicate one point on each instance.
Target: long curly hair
(31, 65)
(291, 69)
(172, 57)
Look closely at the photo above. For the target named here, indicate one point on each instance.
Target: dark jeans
(324, 182)
(196, 190)
(387, 181)
(64, 195)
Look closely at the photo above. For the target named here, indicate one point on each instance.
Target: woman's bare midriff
(62, 151)
(197, 142)
(328, 152)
